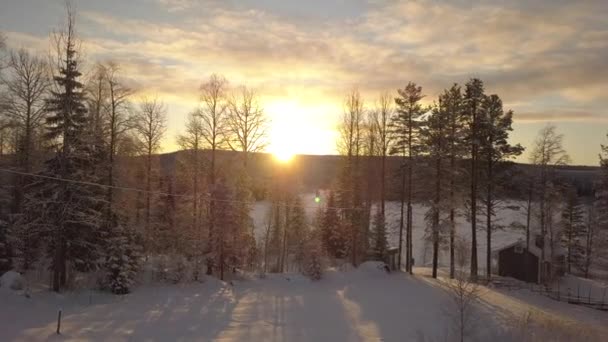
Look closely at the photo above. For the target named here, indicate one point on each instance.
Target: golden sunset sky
(547, 59)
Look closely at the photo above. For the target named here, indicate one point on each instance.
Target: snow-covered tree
(313, 261)
(333, 231)
(122, 260)
(298, 231)
(67, 215)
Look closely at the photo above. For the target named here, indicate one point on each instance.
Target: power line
(160, 193)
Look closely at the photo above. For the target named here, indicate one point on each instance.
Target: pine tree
(573, 230)
(452, 102)
(379, 241)
(473, 99)
(433, 134)
(405, 130)
(494, 151)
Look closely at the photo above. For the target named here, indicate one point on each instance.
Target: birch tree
(27, 85)
(547, 152)
(247, 124)
(150, 127)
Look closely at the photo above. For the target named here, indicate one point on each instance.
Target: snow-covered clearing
(358, 305)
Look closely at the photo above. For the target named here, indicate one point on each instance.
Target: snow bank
(12, 280)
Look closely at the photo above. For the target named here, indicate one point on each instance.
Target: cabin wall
(522, 266)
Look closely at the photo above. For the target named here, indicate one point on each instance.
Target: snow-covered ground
(365, 304)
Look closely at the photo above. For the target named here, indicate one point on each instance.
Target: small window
(518, 249)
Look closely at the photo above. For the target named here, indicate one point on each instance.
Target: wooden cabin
(515, 261)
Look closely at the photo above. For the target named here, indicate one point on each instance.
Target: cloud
(526, 51)
(562, 116)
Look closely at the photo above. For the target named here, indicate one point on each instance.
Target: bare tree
(464, 293)
(97, 98)
(351, 145)
(119, 119)
(2, 50)
(384, 109)
(150, 127)
(192, 141)
(247, 124)
(547, 153)
(27, 85)
(214, 115)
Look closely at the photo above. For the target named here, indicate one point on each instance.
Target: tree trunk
(401, 223)
(436, 216)
(409, 195)
(489, 208)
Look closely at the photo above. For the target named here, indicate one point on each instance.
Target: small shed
(515, 261)
(392, 258)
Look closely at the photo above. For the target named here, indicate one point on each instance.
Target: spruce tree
(122, 259)
(298, 231)
(67, 213)
(332, 231)
(379, 241)
(573, 230)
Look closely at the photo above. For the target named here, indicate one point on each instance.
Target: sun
(284, 156)
(283, 143)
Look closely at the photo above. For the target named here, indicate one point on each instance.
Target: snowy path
(361, 305)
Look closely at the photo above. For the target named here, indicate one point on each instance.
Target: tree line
(456, 161)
